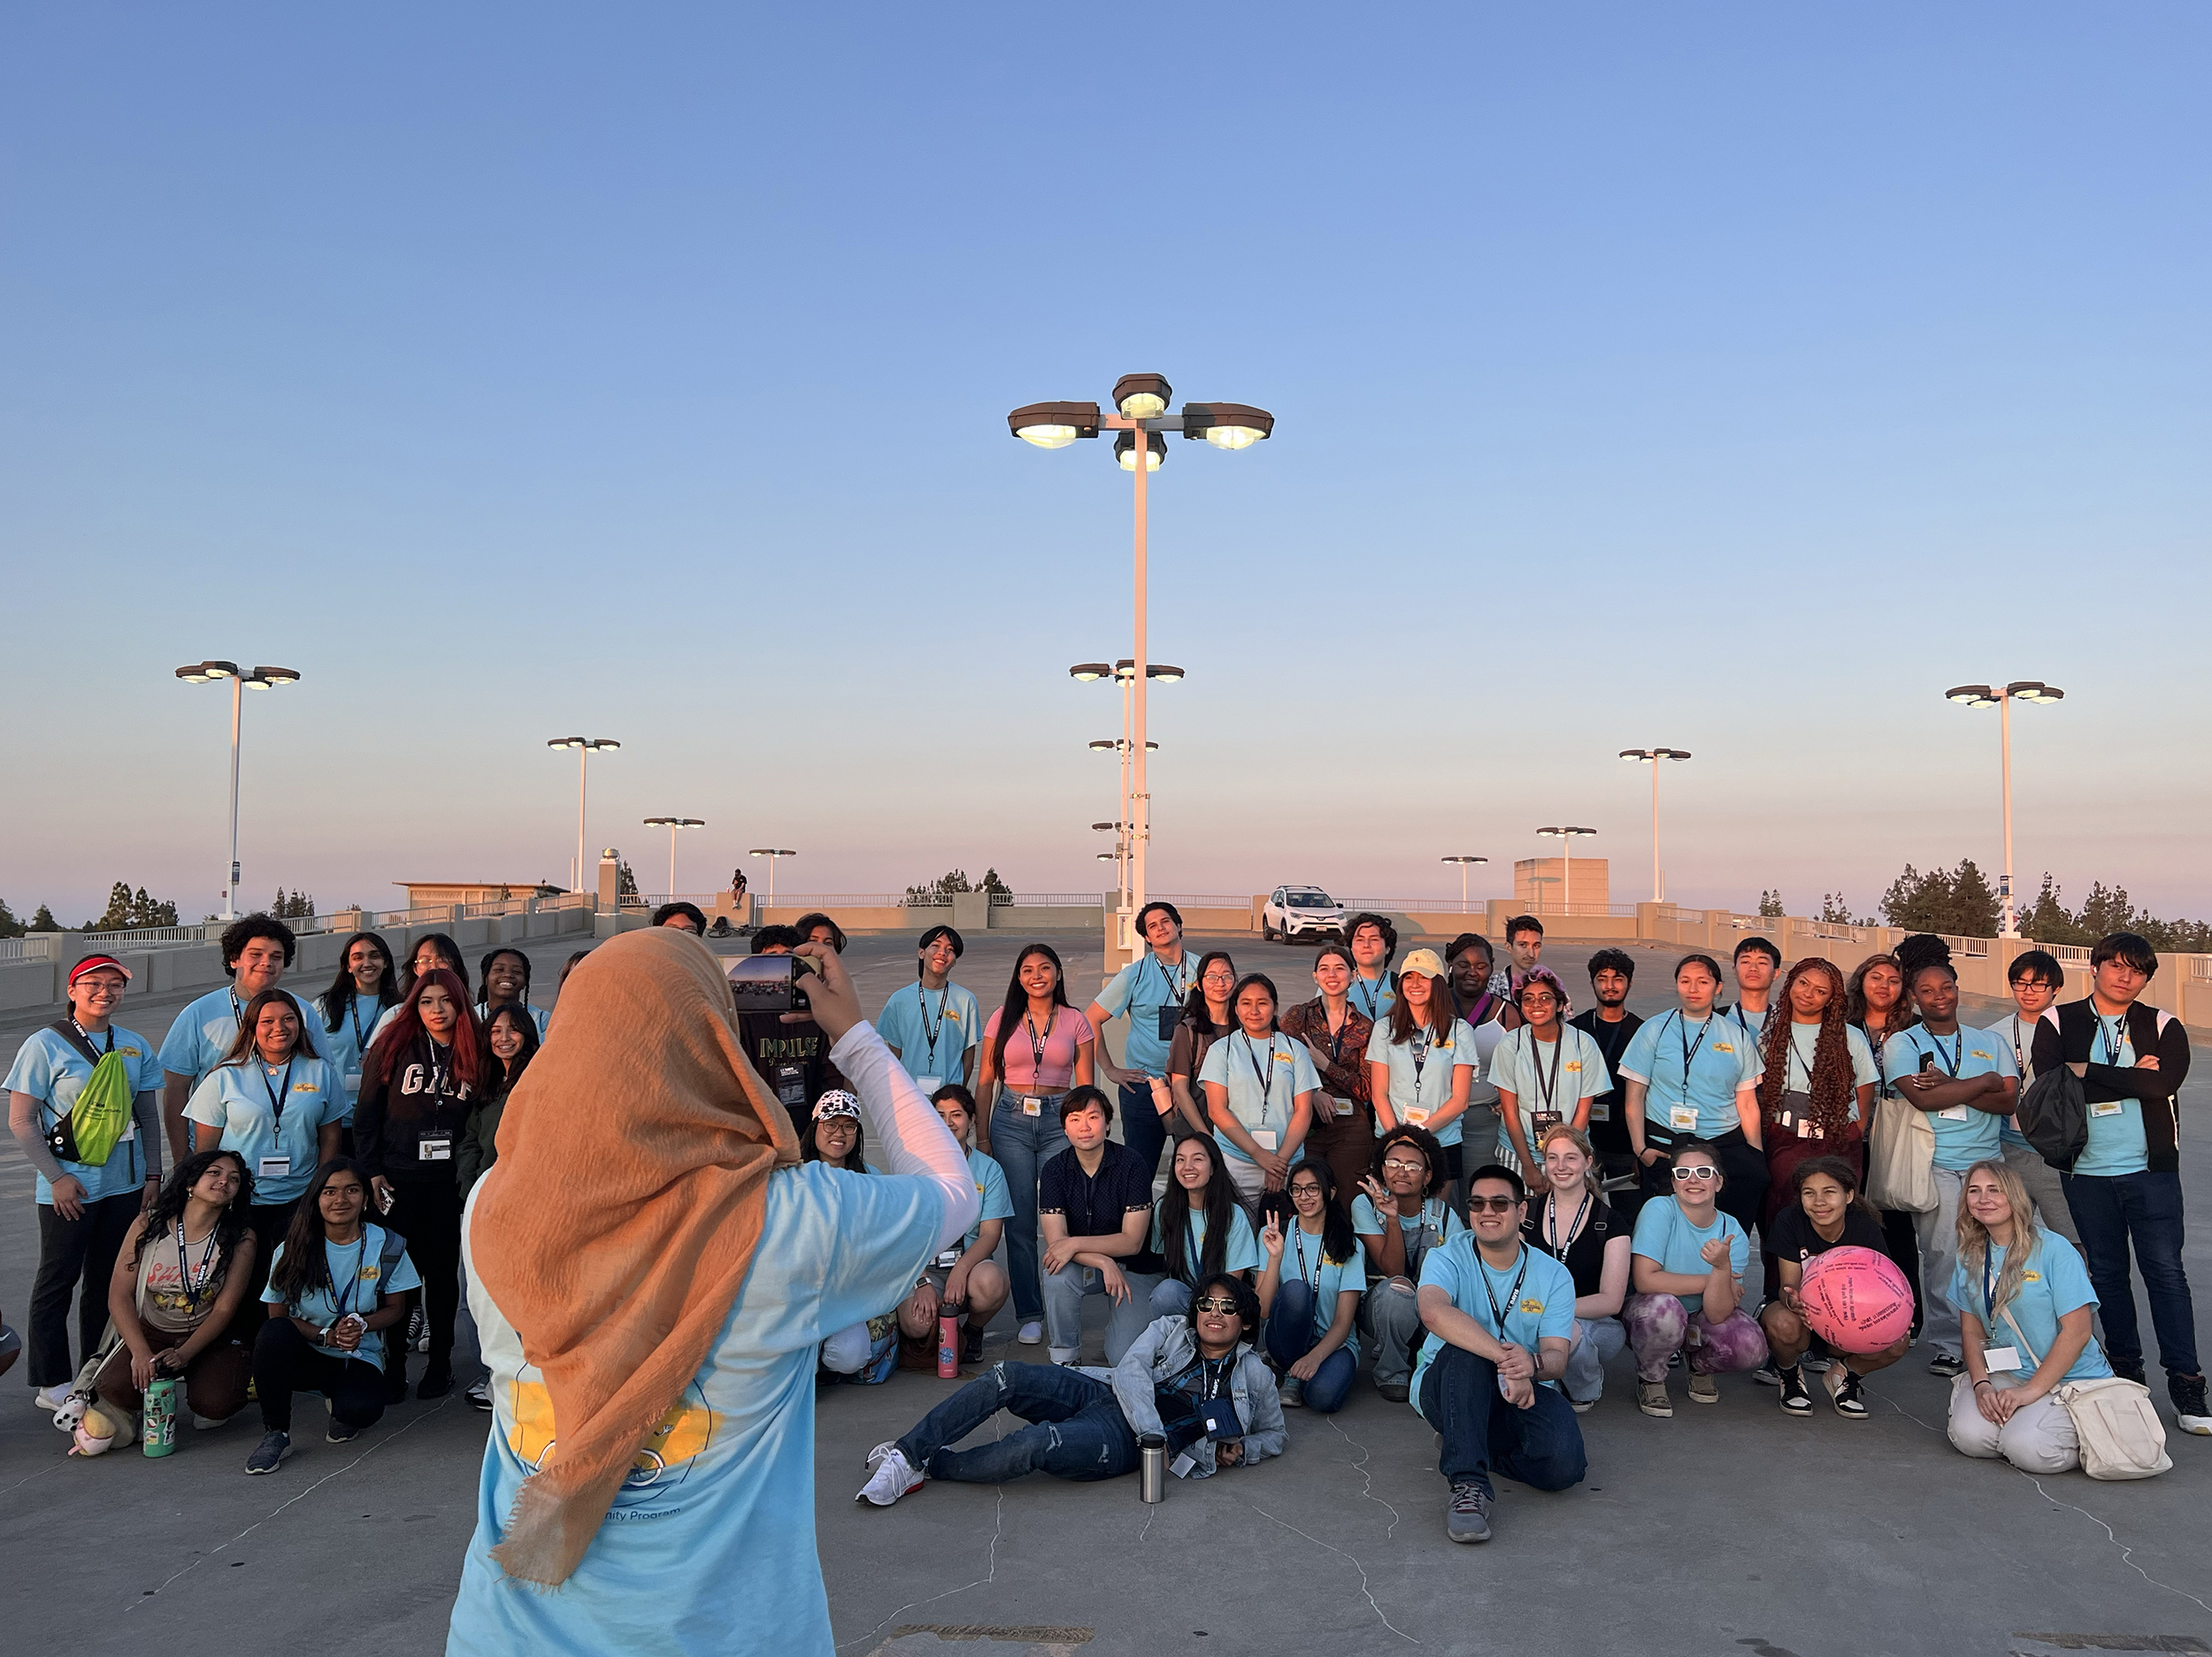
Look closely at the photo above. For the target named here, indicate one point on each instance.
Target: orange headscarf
(617, 1225)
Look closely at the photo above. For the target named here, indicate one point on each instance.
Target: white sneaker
(1062, 1354)
(1029, 1335)
(893, 1476)
(49, 1399)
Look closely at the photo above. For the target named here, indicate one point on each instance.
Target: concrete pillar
(972, 913)
(609, 881)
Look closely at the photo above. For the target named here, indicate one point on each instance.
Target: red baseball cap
(97, 964)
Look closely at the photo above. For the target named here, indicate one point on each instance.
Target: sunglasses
(1215, 1303)
(1494, 1205)
(1699, 1172)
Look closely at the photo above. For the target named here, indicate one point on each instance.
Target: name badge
(1170, 1015)
(1183, 1466)
(2107, 1107)
(274, 1168)
(1416, 1115)
(1682, 1118)
(1220, 1417)
(1266, 1138)
(1033, 1107)
(438, 1149)
(1956, 1113)
(2001, 1360)
(929, 1083)
(948, 1257)
(1343, 1107)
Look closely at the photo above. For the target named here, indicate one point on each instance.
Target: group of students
(309, 1236)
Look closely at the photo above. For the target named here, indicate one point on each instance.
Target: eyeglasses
(1494, 1205)
(1305, 1191)
(1215, 1303)
(1397, 1167)
(1540, 999)
(1699, 1172)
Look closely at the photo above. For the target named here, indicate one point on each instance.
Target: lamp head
(1972, 695)
(1230, 426)
(1126, 451)
(1054, 425)
(2034, 690)
(1142, 396)
(1089, 670)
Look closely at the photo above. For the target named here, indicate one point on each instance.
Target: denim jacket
(1164, 1351)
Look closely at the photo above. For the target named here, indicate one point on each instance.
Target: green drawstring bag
(102, 1114)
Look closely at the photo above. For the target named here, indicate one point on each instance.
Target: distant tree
(298, 906)
(1836, 912)
(1959, 903)
(1001, 892)
(625, 881)
(44, 921)
(1770, 904)
(129, 911)
(9, 927)
(939, 893)
(1973, 903)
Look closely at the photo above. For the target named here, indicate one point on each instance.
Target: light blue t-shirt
(1436, 1225)
(723, 1493)
(1543, 1305)
(1373, 996)
(2021, 1039)
(53, 1072)
(1547, 1079)
(1663, 1233)
(1238, 1062)
(205, 1032)
(933, 1031)
(990, 1184)
(2116, 1143)
(344, 1046)
(281, 1156)
(2055, 1283)
(1240, 1253)
(1328, 1278)
(1721, 1064)
(1963, 1135)
(1421, 1074)
(357, 1278)
(1750, 1026)
(1143, 989)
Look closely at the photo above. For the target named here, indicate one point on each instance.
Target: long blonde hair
(1974, 1235)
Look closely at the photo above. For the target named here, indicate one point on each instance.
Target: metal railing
(836, 900)
(156, 937)
(1200, 900)
(421, 914)
(1053, 900)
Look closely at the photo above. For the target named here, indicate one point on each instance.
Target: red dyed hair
(468, 1040)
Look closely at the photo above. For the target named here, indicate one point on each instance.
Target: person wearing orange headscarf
(651, 1268)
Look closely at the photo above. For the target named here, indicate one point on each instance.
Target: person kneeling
(1310, 1307)
(336, 1284)
(1829, 1213)
(1687, 1260)
(1501, 1318)
(1194, 1381)
(964, 1277)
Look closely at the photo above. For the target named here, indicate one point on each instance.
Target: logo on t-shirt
(1722, 1046)
(1533, 1306)
(2030, 1276)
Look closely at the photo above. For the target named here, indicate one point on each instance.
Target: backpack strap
(67, 1031)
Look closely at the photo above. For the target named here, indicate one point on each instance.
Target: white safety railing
(1050, 899)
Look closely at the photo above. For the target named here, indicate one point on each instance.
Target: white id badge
(434, 1150)
(1183, 1466)
(274, 1168)
(1266, 1138)
(1343, 1107)
(1416, 1117)
(2106, 1108)
(1033, 1107)
(2001, 1360)
(946, 1258)
(929, 1083)
(1682, 1118)
(1956, 1113)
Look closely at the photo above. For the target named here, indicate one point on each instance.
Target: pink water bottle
(948, 1343)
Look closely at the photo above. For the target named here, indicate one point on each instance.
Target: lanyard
(85, 1037)
(193, 1281)
(944, 1000)
(2019, 1059)
(2113, 1038)
(1037, 1045)
(439, 1073)
(1791, 1054)
(1690, 1049)
(342, 1304)
(1484, 1005)
(1178, 983)
(353, 1012)
(1374, 987)
(1428, 1232)
(1264, 1074)
(1513, 1296)
(277, 1096)
(1298, 1236)
(1574, 1229)
(1420, 1059)
(1878, 1040)
(1336, 1037)
(1742, 1024)
(1989, 1288)
(1952, 1060)
(237, 1009)
(1546, 1092)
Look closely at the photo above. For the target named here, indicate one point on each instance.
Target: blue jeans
(1022, 1145)
(1597, 1341)
(1077, 1431)
(1144, 1129)
(1540, 1445)
(1171, 1298)
(2110, 1210)
(1125, 1320)
(1292, 1334)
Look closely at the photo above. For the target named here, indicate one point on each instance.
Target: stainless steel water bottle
(1152, 1473)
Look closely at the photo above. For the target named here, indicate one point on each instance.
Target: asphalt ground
(1728, 1529)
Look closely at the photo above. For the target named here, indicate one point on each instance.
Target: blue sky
(1704, 375)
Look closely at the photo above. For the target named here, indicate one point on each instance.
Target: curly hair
(1831, 1085)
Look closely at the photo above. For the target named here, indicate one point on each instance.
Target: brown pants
(214, 1382)
(1346, 1143)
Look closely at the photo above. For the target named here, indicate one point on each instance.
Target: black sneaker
(1468, 1518)
(418, 1331)
(972, 1345)
(1944, 1365)
(1768, 1374)
(435, 1383)
(1844, 1389)
(2187, 1392)
(2131, 1369)
(272, 1449)
(479, 1393)
(339, 1432)
(1796, 1400)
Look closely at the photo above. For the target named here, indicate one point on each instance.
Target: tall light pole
(1142, 399)
(1652, 756)
(1463, 863)
(1566, 838)
(2002, 697)
(772, 853)
(260, 679)
(672, 824)
(1126, 672)
(585, 747)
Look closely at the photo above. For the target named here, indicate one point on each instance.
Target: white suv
(1296, 912)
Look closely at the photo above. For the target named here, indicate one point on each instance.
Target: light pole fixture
(1124, 671)
(1108, 745)
(672, 824)
(1463, 862)
(1567, 836)
(258, 679)
(1652, 756)
(1141, 404)
(585, 747)
(2002, 697)
(772, 853)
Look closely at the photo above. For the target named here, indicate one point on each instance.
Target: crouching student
(1199, 1226)
(964, 1277)
(1399, 1215)
(1501, 1315)
(1827, 1212)
(2025, 1305)
(1194, 1381)
(1574, 1225)
(866, 1353)
(1095, 1209)
(1687, 1260)
(337, 1284)
(1311, 1306)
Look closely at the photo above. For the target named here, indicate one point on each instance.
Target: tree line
(1963, 902)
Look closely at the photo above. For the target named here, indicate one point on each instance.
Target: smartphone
(1927, 1063)
(769, 984)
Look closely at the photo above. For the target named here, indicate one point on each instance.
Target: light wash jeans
(1938, 1231)
(1065, 1291)
(1390, 1323)
(1023, 1144)
(1596, 1340)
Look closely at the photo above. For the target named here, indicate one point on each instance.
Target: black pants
(70, 1253)
(268, 1222)
(428, 1213)
(285, 1362)
(1901, 1230)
